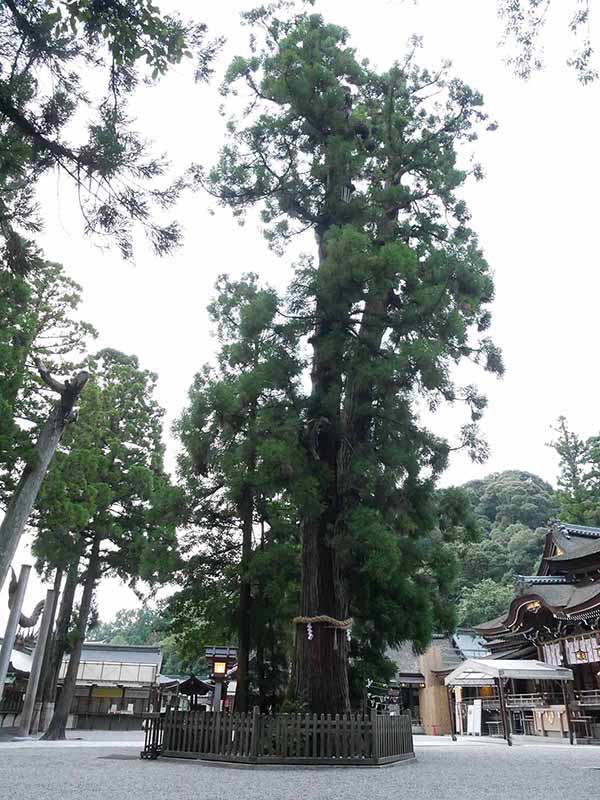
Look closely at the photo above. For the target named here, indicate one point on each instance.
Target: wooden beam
(451, 712)
(503, 712)
(567, 701)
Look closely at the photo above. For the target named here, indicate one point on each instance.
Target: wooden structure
(486, 672)
(222, 661)
(195, 690)
(419, 680)
(254, 738)
(11, 703)
(555, 617)
(115, 684)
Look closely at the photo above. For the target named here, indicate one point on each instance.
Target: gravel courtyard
(443, 771)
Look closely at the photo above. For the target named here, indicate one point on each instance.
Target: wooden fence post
(375, 734)
(254, 733)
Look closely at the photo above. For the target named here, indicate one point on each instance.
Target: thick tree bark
(263, 703)
(59, 640)
(321, 665)
(246, 511)
(47, 654)
(22, 501)
(58, 576)
(246, 508)
(58, 724)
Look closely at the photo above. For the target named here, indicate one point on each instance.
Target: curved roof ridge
(585, 531)
(541, 580)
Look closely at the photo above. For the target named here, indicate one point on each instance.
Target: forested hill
(512, 508)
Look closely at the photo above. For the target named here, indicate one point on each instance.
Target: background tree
(512, 509)
(241, 455)
(107, 497)
(395, 297)
(512, 496)
(484, 601)
(579, 476)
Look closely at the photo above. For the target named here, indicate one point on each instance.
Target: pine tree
(107, 499)
(241, 451)
(396, 296)
(42, 335)
(579, 476)
(40, 312)
(47, 50)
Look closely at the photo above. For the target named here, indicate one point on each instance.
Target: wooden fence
(279, 738)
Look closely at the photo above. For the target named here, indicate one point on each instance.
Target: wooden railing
(279, 738)
(11, 704)
(588, 697)
(535, 700)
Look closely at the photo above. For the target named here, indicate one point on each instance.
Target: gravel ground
(473, 771)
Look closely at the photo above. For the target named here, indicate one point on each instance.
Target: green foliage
(48, 50)
(240, 459)
(484, 601)
(397, 296)
(39, 321)
(513, 496)
(579, 476)
(524, 22)
(511, 509)
(107, 482)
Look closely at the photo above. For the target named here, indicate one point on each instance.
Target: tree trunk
(59, 640)
(320, 677)
(47, 655)
(48, 652)
(246, 511)
(260, 640)
(8, 639)
(321, 669)
(260, 672)
(340, 413)
(24, 497)
(243, 656)
(56, 729)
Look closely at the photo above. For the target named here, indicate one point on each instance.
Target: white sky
(536, 216)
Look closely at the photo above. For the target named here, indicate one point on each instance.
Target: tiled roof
(406, 659)
(577, 530)
(570, 542)
(123, 654)
(541, 580)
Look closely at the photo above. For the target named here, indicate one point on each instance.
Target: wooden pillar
(36, 666)
(451, 712)
(375, 734)
(255, 733)
(11, 627)
(503, 713)
(567, 702)
(216, 703)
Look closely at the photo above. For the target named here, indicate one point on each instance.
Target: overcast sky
(535, 213)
